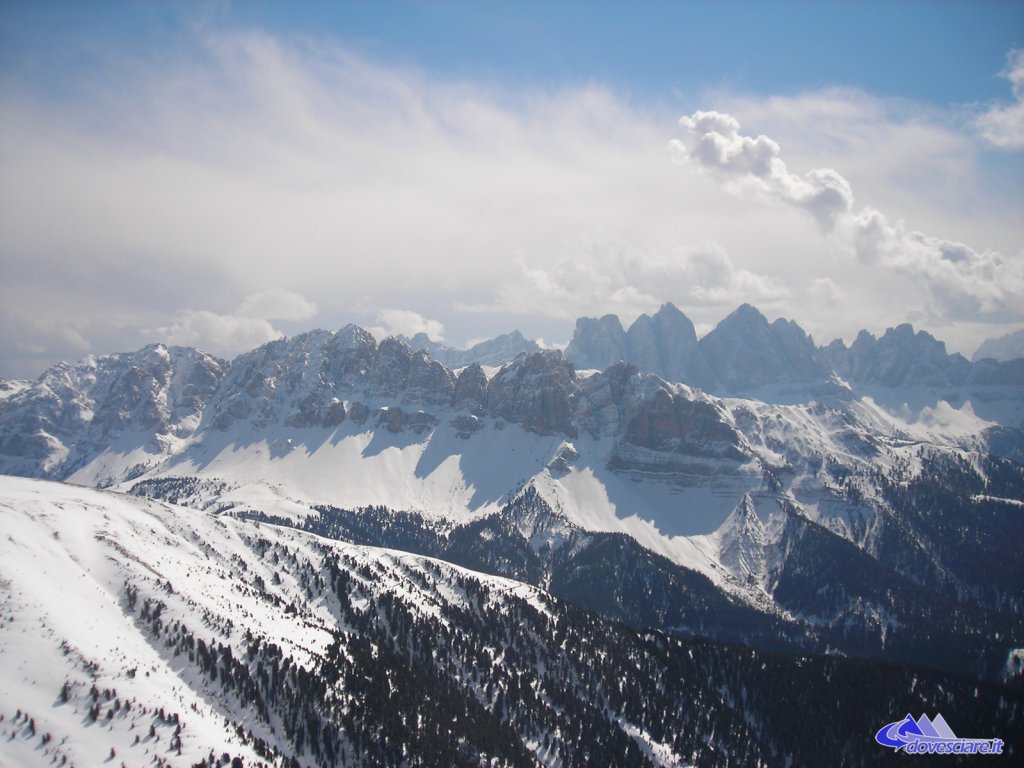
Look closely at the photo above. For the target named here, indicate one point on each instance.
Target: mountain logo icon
(925, 736)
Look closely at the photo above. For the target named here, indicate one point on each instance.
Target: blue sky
(939, 52)
(220, 173)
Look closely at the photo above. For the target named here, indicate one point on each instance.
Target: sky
(221, 174)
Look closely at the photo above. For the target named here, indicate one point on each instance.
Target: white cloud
(1002, 125)
(960, 281)
(224, 335)
(246, 161)
(251, 162)
(277, 304)
(394, 322)
(713, 142)
(247, 327)
(29, 343)
(963, 283)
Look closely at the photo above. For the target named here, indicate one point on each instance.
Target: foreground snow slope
(68, 560)
(138, 632)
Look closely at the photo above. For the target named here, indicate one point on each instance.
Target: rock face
(538, 391)
(666, 344)
(670, 422)
(496, 351)
(598, 343)
(471, 388)
(743, 354)
(746, 356)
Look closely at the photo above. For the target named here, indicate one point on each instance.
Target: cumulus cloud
(960, 281)
(247, 327)
(1002, 125)
(713, 143)
(598, 274)
(224, 335)
(394, 322)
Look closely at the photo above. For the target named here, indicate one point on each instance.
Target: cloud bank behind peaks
(247, 327)
(958, 281)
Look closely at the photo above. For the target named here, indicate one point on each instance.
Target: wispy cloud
(1002, 125)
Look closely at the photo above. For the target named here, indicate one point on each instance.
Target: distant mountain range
(1003, 349)
(745, 355)
(493, 352)
(748, 488)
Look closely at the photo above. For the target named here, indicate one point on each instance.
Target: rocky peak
(746, 353)
(743, 543)
(390, 369)
(664, 344)
(597, 343)
(599, 410)
(429, 381)
(1002, 349)
(471, 388)
(350, 354)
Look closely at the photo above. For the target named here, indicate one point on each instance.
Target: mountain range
(848, 507)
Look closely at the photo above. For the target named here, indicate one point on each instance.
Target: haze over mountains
(749, 488)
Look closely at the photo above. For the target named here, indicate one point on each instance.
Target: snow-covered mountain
(1003, 349)
(147, 403)
(720, 501)
(179, 637)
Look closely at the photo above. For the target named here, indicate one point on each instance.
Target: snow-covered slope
(143, 633)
